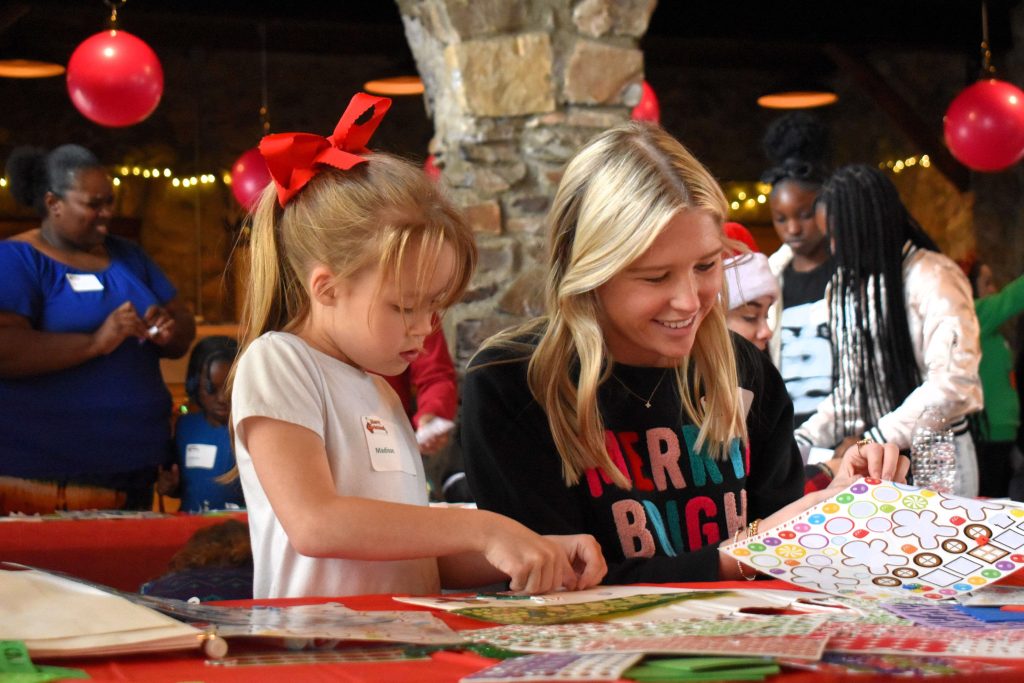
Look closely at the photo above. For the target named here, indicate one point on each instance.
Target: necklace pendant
(647, 404)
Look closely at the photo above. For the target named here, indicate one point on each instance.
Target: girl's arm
(996, 309)
(478, 547)
(940, 306)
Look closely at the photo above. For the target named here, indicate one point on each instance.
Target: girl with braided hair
(905, 334)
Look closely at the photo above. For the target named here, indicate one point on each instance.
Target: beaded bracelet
(751, 531)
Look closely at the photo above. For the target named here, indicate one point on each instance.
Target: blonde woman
(629, 412)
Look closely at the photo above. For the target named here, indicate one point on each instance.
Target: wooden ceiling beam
(889, 100)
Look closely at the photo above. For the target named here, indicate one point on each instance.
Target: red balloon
(984, 125)
(431, 168)
(249, 177)
(647, 109)
(115, 79)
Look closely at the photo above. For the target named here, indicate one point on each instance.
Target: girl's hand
(168, 480)
(586, 558)
(160, 325)
(869, 459)
(123, 322)
(534, 564)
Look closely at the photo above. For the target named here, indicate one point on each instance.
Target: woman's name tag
(84, 282)
(386, 451)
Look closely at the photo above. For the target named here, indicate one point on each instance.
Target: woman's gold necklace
(646, 401)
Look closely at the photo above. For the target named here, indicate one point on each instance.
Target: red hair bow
(292, 158)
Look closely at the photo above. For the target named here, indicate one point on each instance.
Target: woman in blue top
(84, 319)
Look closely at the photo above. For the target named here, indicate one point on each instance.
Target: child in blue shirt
(202, 443)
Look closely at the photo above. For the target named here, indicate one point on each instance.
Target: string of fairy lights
(742, 196)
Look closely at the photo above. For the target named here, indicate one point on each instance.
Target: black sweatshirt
(682, 504)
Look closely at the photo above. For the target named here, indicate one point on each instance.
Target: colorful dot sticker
(844, 498)
(777, 571)
(787, 535)
(839, 525)
(813, 541)
(990, 573)
(765, 561)
(742, 552)
(862, 509)
(757, 547)
(814, 519)
(858, 488)
(927, 493)
(772, 541)
(886, 508)
(915, 502)
(790, 550)
(1017, 512)
(830, 508)
(962, 586)
(885, 494)
(908, 549)
(801, 527)
(860, 533)
(872, 481)
(976, 581)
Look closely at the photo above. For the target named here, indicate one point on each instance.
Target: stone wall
(514, 89)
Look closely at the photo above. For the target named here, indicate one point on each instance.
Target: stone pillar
(514, 88)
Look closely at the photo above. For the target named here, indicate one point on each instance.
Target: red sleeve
(432, 377)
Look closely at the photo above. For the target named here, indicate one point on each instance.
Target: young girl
(353, 259)
(795, 144)
(625, 412)
(752, 290)
(202, 440)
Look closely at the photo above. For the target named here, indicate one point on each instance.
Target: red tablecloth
(447, 667)
(123, 553)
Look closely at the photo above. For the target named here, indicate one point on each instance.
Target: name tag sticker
(200, 456)
(386, 453)
(84, 282)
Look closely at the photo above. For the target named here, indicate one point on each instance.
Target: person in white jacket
(905, 333)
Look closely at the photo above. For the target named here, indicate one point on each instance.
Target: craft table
(445, 667)
(123, 553)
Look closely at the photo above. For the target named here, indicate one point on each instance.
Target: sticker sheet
(563, 614)
(924, 640)
(879, 539)
(560, 666)
(695, 636)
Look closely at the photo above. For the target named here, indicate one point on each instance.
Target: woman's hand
(123, 322)
(160, 325)
(870, 459)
